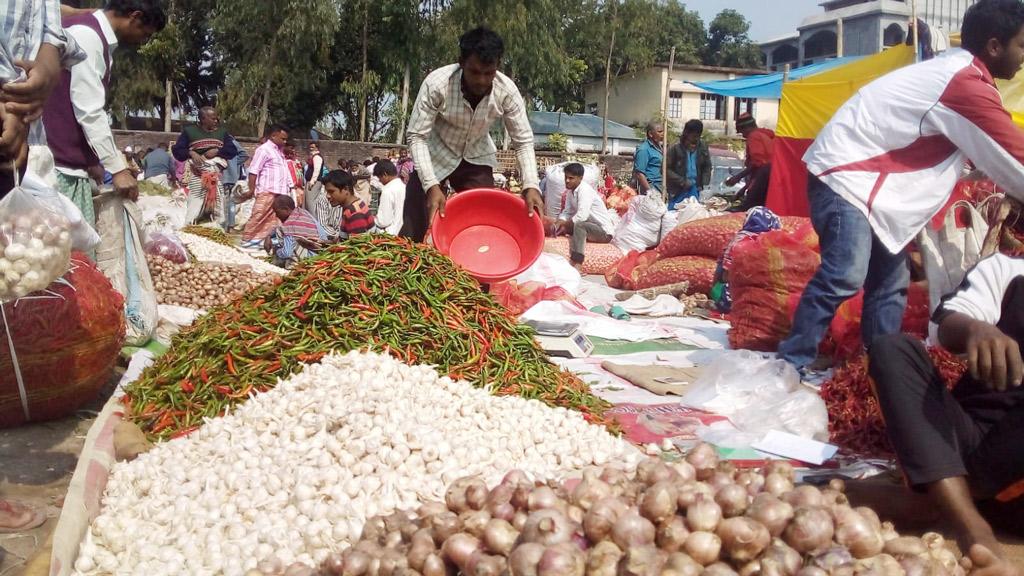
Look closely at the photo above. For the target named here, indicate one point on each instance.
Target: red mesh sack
(699, 271)
(618, 199)
(767, 278)
(519, 298)
(624, 273)
(597, 258)
(66, 341)
(705, 237)
(845, 327)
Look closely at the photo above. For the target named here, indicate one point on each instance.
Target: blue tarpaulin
(767, 85)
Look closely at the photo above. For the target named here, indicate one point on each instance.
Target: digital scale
(561, 339)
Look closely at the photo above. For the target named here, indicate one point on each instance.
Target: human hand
(26, 99)
(309, 244)
(126, 185)
(197, 164)
(212, 153)
(993, 357)
(731, 181)
(435, 202)
(13, 140)
(986, 563)
(534, 202)
(268, 244)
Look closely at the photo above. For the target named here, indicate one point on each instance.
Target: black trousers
(937, 433)
(465, 177)
(756, 192)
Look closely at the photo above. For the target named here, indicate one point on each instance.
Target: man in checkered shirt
(449, 131)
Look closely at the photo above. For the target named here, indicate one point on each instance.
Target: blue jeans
(852, 257)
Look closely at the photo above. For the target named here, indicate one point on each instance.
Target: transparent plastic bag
(166, 245)
(36, 243)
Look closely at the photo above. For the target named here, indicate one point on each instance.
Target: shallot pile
(205, 250)
(695, 517)
(292, 474)
(201, 285)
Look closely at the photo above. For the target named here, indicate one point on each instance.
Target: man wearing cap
(760, 147)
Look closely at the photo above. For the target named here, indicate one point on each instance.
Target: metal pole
(839, 37)
(664, 115)
(917, 38)
(785, 73)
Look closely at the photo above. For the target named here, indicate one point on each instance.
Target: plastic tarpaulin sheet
(806, 107)
(768, 85)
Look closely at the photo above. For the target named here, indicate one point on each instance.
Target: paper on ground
(795, 447)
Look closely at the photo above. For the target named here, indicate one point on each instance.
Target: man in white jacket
(887, 162)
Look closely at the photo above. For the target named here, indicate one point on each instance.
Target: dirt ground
(36, 464)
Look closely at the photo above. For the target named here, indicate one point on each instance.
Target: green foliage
(557, 142)
(728, 43)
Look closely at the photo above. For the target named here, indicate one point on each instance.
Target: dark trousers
(465, 177)
(756, 192)
(937, 433)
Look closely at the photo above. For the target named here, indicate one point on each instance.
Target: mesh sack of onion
(58, 346)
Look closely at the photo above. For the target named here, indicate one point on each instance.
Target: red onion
(688, 492)
(787, 560)
(599, 520)
(804, 496)
(703, 547)
(810, 530)
(752, 568)
(542, 497)
(743, 539)
(659, 501)
(683, 565)
(703, 515)
(547, 527)
(519, 520)
(870, 516)
(474, 522)
(733, 499)
(333, 565)
(653, 470)
(671, 534)
(499, 537)
(752, 481)
(719, 569)
(458, 548)
(355, 562)
(720, 479)
(524, 559)
(469, 493)
(811, 571)
(444, 526)
(590, 490)
(562, 560)
(905, 546)
(837, 484)
(429, 509)
(433, 566)
(603, 559)
(704, 459)
(881, 564)
(516, 478)
(521, 496)
(481, 564)
(422, 547)
(613, 476)
(832, 558)
(684, 470)
(642, 561)
(631, 529)
(856, 533)
(575, 514)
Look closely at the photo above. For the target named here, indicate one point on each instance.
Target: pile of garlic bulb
(205, 250)
(294, 473)
(35, 249)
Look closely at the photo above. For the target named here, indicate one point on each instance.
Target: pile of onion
(201, 285)
(695, 517)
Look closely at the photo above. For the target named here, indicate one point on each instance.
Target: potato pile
(202, 285)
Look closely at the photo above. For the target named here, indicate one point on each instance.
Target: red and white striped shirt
(271, 170)
(895, 149)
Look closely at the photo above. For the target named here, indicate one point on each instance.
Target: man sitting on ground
(298, 236)
(585, 216)
(962, 447)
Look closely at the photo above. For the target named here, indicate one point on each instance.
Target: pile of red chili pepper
(854, 417)
(372, 292)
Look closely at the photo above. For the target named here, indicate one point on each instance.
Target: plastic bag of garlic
(295, 472)
(205, 250)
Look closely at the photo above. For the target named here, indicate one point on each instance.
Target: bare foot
(15, 517)
(986, 563)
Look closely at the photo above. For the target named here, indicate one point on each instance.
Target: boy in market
(962, 447)
(585, 216)
(298, 236)
(887, 162)
(355, 216)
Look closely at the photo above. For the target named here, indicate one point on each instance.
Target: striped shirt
(25, 25)
(301, 224)
(444, 129)
(356, 218)
(271, 169)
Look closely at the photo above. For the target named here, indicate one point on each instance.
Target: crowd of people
(884, 166)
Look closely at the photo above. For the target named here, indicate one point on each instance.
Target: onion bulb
(659, 502)
(671, 534)
(733, 500)
(564, 559)
(631, 529)
(743, 539)
(601, 518)
(704, 459)
(525, 559)
(603, 559)
(547, 527)
(810, 530)
(772, 512)
(642, 561)
(703, 515)
(703, 547)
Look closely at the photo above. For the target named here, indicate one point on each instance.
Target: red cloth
(760, 146)
(356, 218)
(787, 191)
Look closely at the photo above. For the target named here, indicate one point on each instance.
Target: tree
(728, 43)
(681, 28)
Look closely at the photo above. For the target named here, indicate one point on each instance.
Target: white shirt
(895, 149)
(584, 204)
(980, 296)
(390, 210)
(444, 129)
(89, 98)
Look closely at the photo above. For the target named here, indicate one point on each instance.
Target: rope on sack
(7, 329)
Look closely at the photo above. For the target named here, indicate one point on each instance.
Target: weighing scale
(561, 339)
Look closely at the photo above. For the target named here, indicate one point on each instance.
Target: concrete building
(583, 132)
(861, 28)
(635, 99)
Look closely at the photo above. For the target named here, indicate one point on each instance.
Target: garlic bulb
(35, 249)
(294, 473)
(206, 250)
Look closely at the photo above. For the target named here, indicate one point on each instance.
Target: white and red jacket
(895, 149)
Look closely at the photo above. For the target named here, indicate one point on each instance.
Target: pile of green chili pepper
(372, 292)
(213, 234)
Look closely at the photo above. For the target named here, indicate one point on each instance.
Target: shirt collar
(985, 74)
(108, 30)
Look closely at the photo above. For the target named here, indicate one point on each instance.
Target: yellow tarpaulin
(1011, 90)
(809, 103)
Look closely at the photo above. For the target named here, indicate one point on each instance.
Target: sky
(768, 18)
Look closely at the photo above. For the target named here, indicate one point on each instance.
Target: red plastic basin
(488, 233)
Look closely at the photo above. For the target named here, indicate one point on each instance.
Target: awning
(767, 85)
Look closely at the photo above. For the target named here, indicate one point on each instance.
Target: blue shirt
(691, 175)
(648, 161)
(157, 163)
